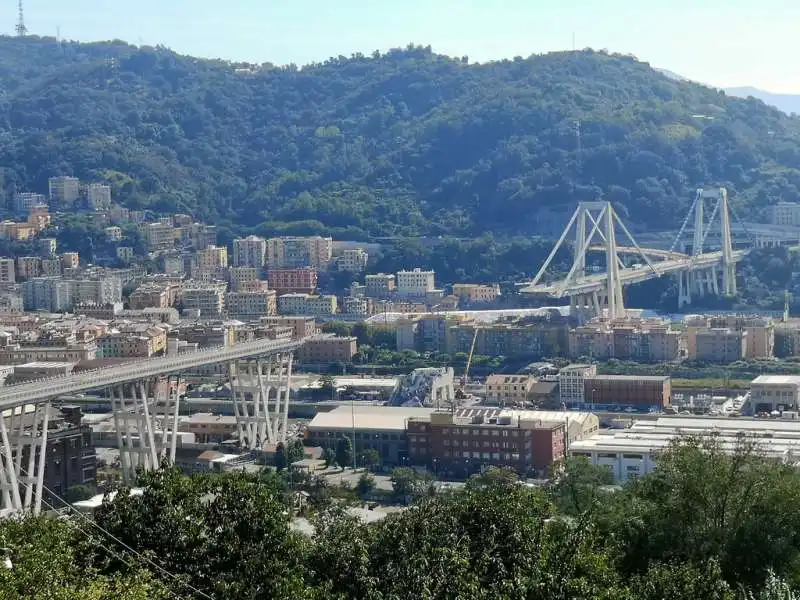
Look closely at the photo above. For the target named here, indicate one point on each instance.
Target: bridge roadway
(597, 282)
(51, 387)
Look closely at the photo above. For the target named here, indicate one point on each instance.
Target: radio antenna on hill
(22, 31)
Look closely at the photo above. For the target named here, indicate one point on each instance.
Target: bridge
(145, 398)
(595, 227)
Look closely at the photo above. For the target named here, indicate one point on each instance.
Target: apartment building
(125, 254)
(18, 354)
(245, 279)
(7, 270)
(474, 293)
(307, 304)
(70, 260)
(250, 252)
(415, 283)
(113, 233)
(25, 201)
(353, 260)
(101, 289)
(209, 428)
(302, 327)
(760, 339)
(202, 236)
(785, 213)
(212, 258)
(467, 442)
(641, 340)
(327, 348)
(46, 293)
(64, 191)
(718, 345)
(140, 341)
(571, 384)
(28, 266)
(509, 390)
(251, 306)
(47, 247)
(209, 299)
(292, 252)
(11, 302)
(379, 285)
(158, 236)
(292, 281)
(98, 196)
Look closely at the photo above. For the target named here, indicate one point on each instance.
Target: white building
(570, 383)
(250, 252)
(208, 299)
(633, 452)
(25, 201)
(7, 270)
(353, 260)
(307, 304)
(98, 196)
(769, 393)
(250, 306)
(46, 293)
(416, 283)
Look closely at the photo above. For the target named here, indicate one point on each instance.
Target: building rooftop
(383, 418)
(777, 380)
(631, 377)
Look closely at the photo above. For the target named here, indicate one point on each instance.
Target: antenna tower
(22, 31)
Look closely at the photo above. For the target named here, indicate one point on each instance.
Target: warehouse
(634, 452)
(627, 392)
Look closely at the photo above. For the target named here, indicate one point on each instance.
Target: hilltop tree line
(397, 144)
(707, 523)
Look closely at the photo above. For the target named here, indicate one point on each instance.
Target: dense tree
(369, 458)
(329, 456)
(365, 485)
(394, 144)
(280, 460)
(344, 452)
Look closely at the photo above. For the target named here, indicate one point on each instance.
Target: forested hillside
(405, 143)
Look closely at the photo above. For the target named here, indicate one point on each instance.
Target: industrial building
(627, 392)
(633, 452)
(770, 393)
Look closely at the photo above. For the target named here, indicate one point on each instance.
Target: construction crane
(460, 392)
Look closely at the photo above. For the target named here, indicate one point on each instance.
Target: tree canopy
(713, 521)
(400, 143)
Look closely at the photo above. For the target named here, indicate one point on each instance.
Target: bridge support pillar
(261, 388)
(23, 435)
(146, 420)
(684, 288)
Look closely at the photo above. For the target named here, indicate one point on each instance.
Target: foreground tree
(344, 452)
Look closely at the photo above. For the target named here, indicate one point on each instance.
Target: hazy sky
(720, 42)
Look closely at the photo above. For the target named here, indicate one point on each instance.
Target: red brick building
(468, 441)
(292, 281)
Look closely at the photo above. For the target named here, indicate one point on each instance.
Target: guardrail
(23, 393)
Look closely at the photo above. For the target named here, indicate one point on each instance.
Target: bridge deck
(596, 282)
(50, 387)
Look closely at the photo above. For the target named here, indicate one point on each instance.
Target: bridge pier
(146, 420)
(261, 388)
(24, 444)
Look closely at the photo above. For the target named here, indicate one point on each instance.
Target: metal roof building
(633, 452)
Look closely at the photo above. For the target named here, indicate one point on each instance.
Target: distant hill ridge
(403, 143)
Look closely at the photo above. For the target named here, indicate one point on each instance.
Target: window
(446, 442)
(495, 432)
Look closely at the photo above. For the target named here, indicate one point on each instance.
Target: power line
(139, 555)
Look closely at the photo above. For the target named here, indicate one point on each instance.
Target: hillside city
(362, 389)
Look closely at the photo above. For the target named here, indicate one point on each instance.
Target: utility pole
(21, 30)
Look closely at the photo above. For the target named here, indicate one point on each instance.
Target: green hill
(404, 143)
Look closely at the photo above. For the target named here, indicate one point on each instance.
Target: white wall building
(633, 452)
(570, 383)
(416, 283)
(250, 252)
(98, 196)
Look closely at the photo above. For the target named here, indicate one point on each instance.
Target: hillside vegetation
(404, 143)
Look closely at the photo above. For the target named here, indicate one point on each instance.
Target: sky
(718, 42)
